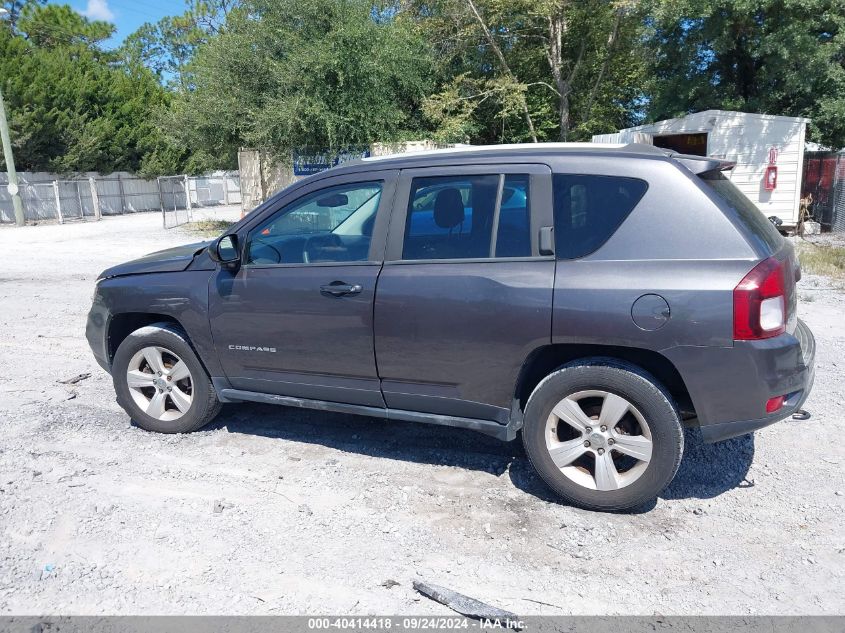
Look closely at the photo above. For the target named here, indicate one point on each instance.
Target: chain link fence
(175, 200)
(837, 215)
(823, 186)
(48, 197)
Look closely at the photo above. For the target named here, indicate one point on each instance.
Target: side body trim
(488, 427)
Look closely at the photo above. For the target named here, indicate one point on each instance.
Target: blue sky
(126, 15)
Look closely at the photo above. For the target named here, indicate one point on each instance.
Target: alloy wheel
(160, 383)
(599, 440)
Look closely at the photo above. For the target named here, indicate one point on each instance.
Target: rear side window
(589, 209)
(453, 217)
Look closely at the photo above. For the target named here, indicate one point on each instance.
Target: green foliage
(782, 57)
(286, 74)
(168, 46)
(183, 94)
(16, 7)
(71, 106)
(165, 47)
(589, 82)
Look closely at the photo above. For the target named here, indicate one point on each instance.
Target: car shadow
(707, 470)
(374, 437)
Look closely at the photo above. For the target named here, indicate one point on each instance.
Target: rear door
(296, 319)
(464, 295)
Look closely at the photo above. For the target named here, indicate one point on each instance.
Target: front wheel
(603, 434)
(160, 382)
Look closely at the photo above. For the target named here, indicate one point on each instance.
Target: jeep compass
(595, 299)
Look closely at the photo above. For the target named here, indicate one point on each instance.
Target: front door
(465, 295)
(296, 319)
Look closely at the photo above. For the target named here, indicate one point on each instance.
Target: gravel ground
(273, 510)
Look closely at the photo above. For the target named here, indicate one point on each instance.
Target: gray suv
(595, 298)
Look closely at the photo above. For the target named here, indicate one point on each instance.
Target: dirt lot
(320, 510)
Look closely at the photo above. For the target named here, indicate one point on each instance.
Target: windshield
(747, 212)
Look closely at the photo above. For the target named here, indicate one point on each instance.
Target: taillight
(773, 404)
(760, 302)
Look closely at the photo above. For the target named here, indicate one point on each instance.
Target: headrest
(448, 208)
(367, 226)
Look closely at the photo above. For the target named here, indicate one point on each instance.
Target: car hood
(170, 260)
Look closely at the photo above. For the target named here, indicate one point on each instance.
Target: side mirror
(225, 251)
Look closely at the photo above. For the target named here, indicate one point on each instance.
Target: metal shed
(756, 142)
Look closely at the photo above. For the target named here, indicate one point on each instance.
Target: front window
(330, 225)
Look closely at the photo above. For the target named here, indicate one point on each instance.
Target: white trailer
(755, 142)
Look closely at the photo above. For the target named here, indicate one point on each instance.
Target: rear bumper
(794, 399)
(729, 387)
(726, 430)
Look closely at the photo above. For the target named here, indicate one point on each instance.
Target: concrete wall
(262, 175)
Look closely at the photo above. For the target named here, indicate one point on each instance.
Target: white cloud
(98, 10)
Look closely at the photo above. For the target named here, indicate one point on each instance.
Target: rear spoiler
(703, 164)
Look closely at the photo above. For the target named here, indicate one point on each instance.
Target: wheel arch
(544, 360)
(123, 324)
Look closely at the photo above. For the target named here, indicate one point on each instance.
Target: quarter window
(330, 225)
(589, 209)
(453, 217)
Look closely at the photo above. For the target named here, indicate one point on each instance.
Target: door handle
(547, 240)
(341, 289)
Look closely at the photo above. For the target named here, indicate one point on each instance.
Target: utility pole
(7, 155)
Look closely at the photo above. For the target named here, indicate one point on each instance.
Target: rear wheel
(603, 434)
(160, 382)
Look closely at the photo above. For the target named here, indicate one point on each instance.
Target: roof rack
(528, 147)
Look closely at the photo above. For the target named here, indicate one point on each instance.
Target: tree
(72, 106)
(167, 46)
(767, 56)
(286, 74)
(16, 7)
(520, 70)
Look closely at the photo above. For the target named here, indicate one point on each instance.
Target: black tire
(640, 389)
(204, 405)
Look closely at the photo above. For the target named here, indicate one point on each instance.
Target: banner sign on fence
(308, 161)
